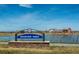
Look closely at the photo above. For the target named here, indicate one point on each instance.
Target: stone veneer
(28, 44)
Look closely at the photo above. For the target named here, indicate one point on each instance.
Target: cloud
(26, 5)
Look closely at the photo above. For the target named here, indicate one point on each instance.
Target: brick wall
(28, 44)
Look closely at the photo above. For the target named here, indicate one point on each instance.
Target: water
(63, 38)
(51, 38)
(7, 38)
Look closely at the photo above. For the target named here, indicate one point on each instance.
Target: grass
(5, 49)
(7, 34)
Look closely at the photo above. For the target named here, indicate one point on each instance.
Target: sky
(38, 16)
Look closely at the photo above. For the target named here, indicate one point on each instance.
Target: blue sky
(38, 16)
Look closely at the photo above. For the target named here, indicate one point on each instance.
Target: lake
(51, 38)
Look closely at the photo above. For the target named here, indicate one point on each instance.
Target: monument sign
(29, 34)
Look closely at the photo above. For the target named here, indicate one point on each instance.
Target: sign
(29, 36)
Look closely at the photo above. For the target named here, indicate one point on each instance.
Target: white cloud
(26, 5)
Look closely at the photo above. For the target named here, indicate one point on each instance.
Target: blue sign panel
(30, 36)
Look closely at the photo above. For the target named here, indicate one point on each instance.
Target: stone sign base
(28, 44)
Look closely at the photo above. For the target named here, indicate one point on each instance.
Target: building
(67, 30)
(60, 30)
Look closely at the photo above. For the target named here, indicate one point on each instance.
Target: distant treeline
(46, 32)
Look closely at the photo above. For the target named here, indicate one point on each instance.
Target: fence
(50, 37)
(63, 38)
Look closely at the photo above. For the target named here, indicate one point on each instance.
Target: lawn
(5, 49)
